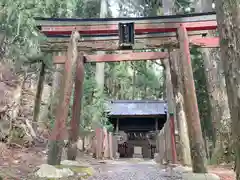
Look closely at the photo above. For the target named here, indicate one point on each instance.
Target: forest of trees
(20, 53)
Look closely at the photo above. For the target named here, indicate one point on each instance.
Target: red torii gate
(178, 31)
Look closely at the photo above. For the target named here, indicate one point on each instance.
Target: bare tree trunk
(145, 85)
(203, 6)
(168, 8)
(228, 14)
(217, 95)
(170, 101)
(38, 98)
(206, 143)
(99, 75)
(100, 66)
(133, 81)
(176, 76)
(219, 105)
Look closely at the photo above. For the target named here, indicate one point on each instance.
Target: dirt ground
(225, 173)
(17, 163)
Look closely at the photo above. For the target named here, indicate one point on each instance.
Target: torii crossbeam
(150, 33)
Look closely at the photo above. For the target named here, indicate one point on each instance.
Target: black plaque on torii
(126, 35)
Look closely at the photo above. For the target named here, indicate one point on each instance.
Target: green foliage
(109, 126)
(17, 23)
(133, 80)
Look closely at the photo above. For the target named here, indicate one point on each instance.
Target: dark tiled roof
(137, 107)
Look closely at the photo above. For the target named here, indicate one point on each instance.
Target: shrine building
(137, 123)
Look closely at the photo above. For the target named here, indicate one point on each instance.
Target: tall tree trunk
(203, 6)
(170, 102)
(145, 85)
(100, 66)
(176, 75)
(38, 98)
(206, 143)
(133, 80)
(219, 105)
(217, 95)
(228, 19)
(99, 76)
(168, 9)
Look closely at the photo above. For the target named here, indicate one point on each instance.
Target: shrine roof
(137, 107)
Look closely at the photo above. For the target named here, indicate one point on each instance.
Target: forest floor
(18, 163)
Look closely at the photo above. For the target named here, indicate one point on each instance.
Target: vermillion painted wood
(139, 28)
(190, 105)
(59, 131)
(139, 56)
(207, 42)
(76, 109)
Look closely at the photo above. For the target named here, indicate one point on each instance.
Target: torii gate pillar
(190, 104)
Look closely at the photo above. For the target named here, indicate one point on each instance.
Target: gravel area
(135, 171)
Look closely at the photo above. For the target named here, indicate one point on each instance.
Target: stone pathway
(130, 170)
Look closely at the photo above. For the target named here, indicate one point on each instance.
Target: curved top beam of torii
(193, 17)
(109, 26)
